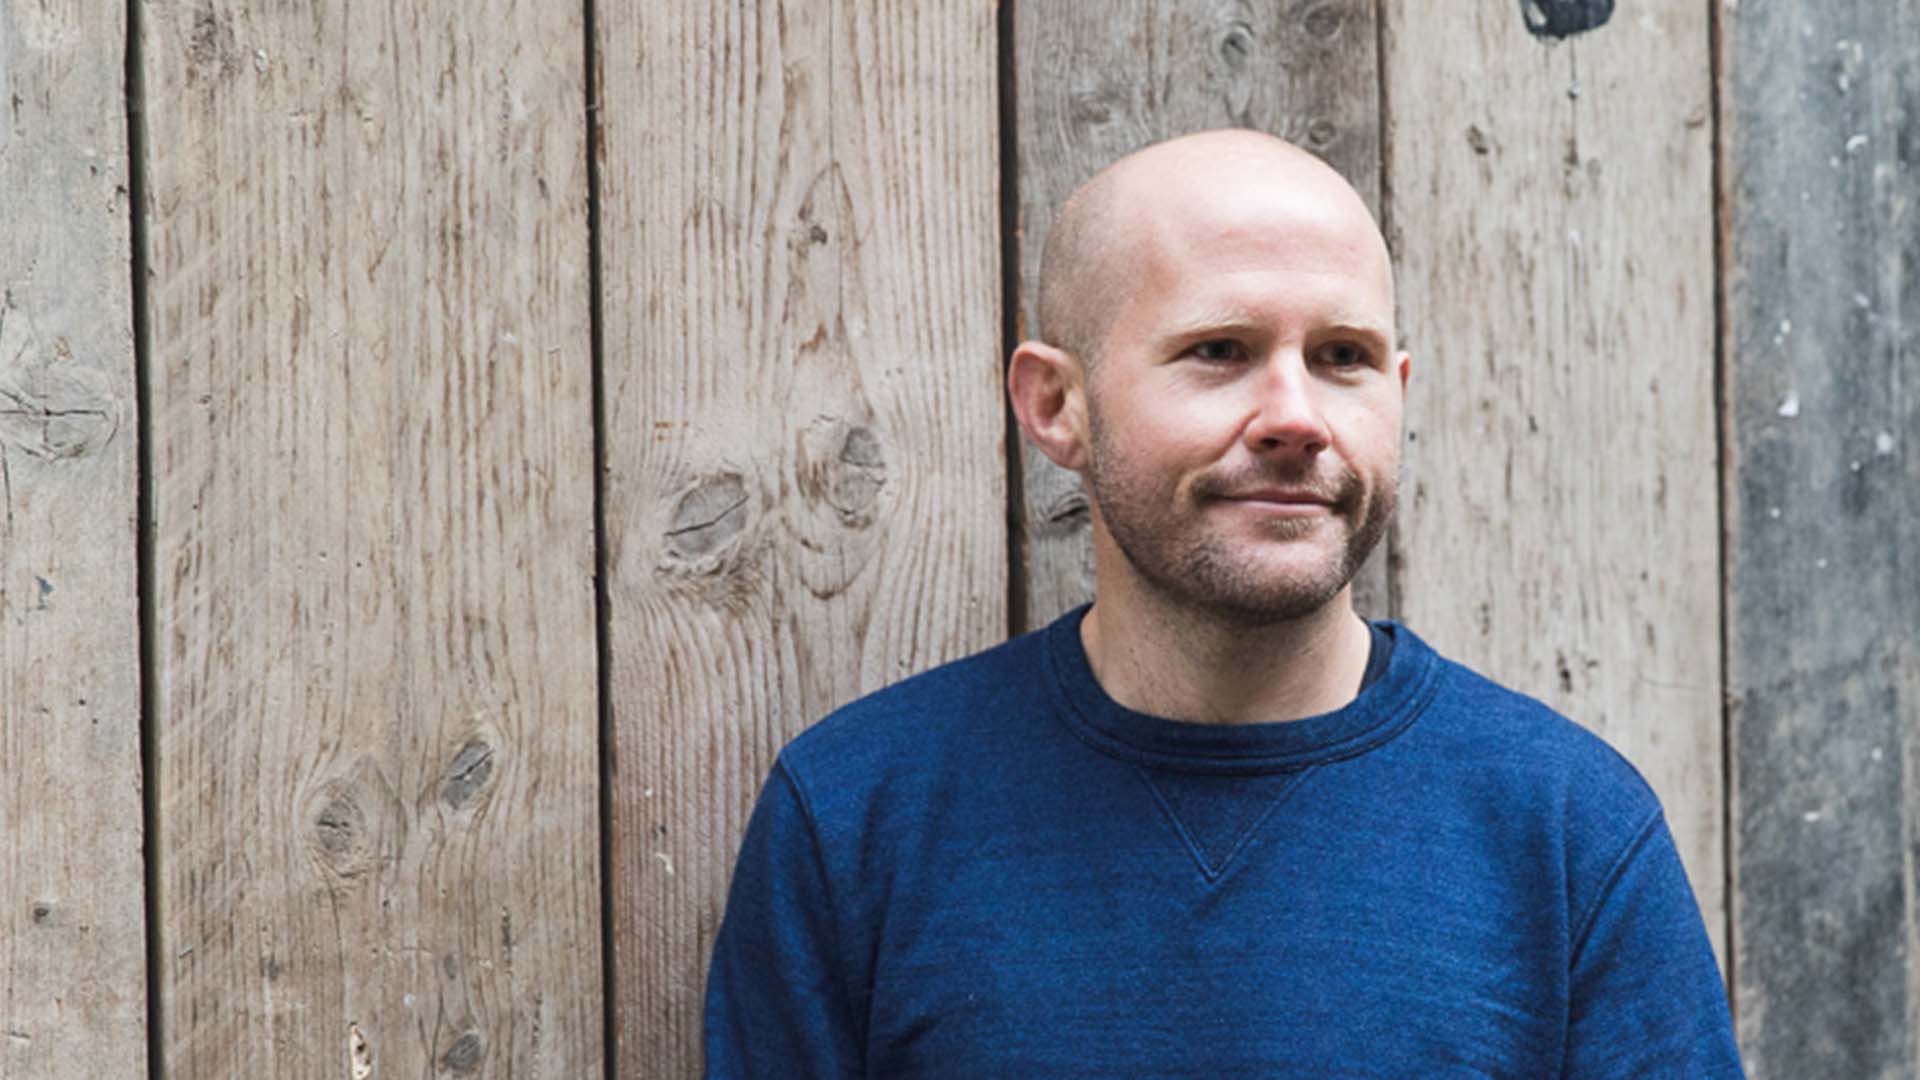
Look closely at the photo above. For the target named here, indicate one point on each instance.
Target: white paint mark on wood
(359, 1054)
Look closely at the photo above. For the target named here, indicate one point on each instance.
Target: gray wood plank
(72, 894)
(375, 691)
(805, 488)
(1822, 189)
(1096, 81)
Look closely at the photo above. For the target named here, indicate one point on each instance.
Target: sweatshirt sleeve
(1646, 995)
(777, 1002)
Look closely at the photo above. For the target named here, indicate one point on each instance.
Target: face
(1244, 414)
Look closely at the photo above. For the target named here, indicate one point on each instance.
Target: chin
(1263, 591)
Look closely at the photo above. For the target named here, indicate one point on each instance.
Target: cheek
(1369, 431)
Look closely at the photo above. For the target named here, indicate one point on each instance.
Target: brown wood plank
(1821, 175)
(372, 422)
(72, 893)
(1096, 81)
(1552, 209)
(805, 481)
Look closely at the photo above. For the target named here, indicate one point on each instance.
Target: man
(1214, 825)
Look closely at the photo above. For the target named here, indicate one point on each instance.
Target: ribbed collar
(1379, 713)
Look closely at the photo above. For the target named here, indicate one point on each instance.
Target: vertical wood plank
(1094, 82)
(372, 422)
(805, 488)
(1553, 214)
(1822, 188)
(72, 941)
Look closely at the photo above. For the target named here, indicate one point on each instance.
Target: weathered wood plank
(1822, 190)
(72, 922)
(1551, 203)
(1096, 81)
(371, 396)
(805, 488)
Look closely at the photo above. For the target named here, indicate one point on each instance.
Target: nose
(1286, 411)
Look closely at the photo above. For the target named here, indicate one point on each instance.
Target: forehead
(1257, 251)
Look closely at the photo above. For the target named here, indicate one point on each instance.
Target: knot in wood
(1066, 515)
(469, 772)
(465, 1053)
(842, 465)
(707, 515)
(52, 408)
(340, 837)
(1321, 133)
(1236, 45)
(42, 910)
(1324, 22)
(1096, 107)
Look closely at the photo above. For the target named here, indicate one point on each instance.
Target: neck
(1169, 660)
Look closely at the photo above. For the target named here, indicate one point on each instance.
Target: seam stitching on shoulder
(1607, 883)
(800, 796)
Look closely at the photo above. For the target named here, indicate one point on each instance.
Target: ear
(1047, 387)
(1405, 363)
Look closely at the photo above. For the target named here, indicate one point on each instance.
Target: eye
(1342, 354)
(1218, 351)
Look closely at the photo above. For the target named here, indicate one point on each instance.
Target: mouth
(1290, 502)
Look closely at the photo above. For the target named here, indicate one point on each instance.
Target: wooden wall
(445, 453)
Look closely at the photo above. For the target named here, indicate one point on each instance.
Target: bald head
(1111, 223)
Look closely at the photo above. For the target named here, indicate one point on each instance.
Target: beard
(1290, 568)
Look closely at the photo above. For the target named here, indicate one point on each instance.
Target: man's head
(1218, 361)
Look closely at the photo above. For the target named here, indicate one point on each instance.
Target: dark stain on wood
(1556, 19)
(211, 49)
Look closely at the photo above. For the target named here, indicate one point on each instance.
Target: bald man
(1214, 824)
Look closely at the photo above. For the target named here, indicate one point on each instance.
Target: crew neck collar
(1380, 712)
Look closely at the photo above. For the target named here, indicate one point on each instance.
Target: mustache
(1339, 486)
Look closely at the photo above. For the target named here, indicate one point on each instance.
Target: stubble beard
(1216, 577)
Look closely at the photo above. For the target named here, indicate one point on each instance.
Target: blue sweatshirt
(994, 869)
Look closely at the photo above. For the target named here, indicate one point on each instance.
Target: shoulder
(1544, 789)
(1522, 742)
(919, 723)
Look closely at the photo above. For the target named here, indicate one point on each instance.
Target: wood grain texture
(1551, 203)
(72, 922)
(375, 691)
(1822, 188)
(1094, 82)
(805, 478)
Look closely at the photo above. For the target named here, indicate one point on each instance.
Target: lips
(1282, 496)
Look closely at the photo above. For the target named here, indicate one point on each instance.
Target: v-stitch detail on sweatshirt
(1217, 825)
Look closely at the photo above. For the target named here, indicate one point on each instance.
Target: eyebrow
(1224, 322)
